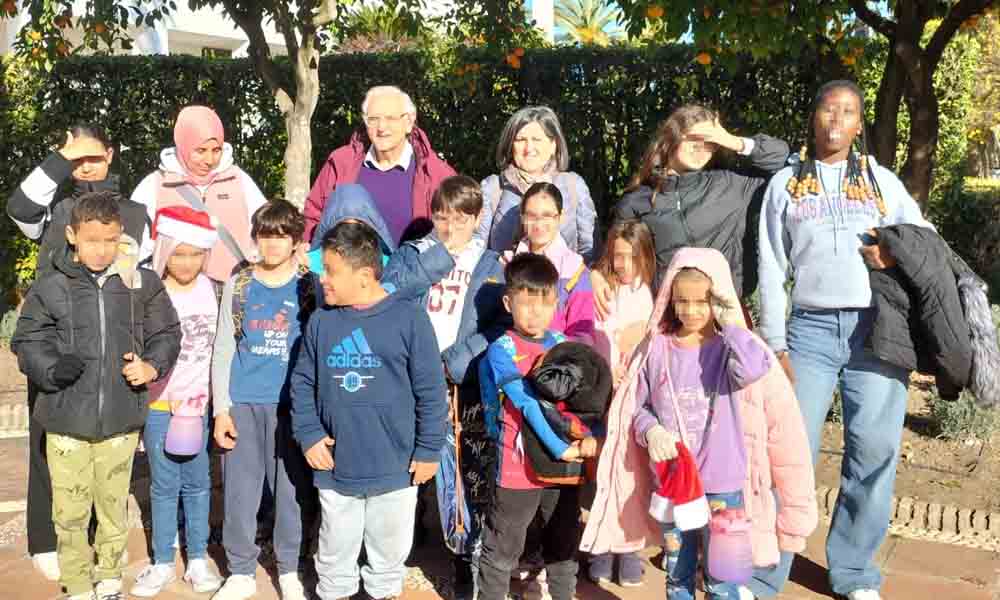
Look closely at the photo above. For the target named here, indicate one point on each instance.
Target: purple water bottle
(729, 557)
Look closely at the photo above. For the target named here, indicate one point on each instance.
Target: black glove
(67, 370)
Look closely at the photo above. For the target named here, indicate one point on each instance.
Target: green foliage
(954, 82)
(588, 21)
(968, 216)
(961, 420)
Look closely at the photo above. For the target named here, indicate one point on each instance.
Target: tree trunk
(885, 133)
(298, 124)
(917, 172)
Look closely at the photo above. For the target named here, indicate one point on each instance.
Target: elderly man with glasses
(392, 159)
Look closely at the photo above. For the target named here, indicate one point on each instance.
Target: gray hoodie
(816, 240)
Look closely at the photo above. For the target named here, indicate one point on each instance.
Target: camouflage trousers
(90, 474)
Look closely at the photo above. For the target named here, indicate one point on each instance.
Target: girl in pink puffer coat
(779, 464)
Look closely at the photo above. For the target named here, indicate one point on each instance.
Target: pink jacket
(344, 164)
(777, 448)
(629, 311)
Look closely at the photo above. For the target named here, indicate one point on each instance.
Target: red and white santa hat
(680, 499)
(186, 225)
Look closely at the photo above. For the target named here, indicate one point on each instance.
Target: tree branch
(284, 23)
(872, 18)
(259, 51)
(958, 14)
(325, 13)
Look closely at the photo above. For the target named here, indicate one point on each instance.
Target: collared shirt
(402, 163)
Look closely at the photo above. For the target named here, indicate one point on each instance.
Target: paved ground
(914, 570)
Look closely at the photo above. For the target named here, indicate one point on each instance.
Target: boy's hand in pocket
(319, 456)
(422, 471)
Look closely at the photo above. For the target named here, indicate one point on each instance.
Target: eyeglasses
(539, 219)
(454, 221)
(376, 120)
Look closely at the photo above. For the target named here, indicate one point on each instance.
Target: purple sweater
(694, 374)
(392, 191)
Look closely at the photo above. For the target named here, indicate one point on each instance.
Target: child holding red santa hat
(175, 436)
(716, 420)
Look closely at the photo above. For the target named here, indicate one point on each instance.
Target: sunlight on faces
(540, 218)
(837, 121)
(185, 263)
(691, 299)
(533, 148)
(205, 158)
(388, 122)
(532, 311)
(96, 243)
(93, 165)
(344, 285)
(454, 228)
(275, 250)
(623, 261)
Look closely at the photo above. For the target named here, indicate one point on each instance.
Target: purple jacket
(344, 164)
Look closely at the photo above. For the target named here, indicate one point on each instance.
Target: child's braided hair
(859, 182)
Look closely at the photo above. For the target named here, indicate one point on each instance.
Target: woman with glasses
(686, 202)
(532, 149)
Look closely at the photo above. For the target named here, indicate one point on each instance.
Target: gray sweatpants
(264, 452)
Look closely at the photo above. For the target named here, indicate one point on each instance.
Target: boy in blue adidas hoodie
(368, 409)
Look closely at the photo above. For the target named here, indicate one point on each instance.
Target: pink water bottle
(729, 557)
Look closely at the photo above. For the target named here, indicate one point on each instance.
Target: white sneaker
(109, 589)
(291, 587)
(237, 587)
(47, 563)
(201, 578)
(745, 593)
(153, 579)
(866, 594)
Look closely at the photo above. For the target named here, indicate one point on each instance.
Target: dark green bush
(968, 216)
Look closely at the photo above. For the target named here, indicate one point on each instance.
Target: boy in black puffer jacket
(91, 335)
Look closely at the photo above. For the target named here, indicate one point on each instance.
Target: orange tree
(307, 27)
(836, 30)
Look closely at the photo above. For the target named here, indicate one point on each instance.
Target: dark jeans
(507, 524)
(265, 453)
(41, 531)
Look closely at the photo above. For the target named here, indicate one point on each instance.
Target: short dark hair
(278, 217)
(543, 187)
(91, 130)
(96, 206)
(533, 273)
(357, 243)
(459, 193)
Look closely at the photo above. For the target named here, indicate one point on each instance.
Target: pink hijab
(195, 125)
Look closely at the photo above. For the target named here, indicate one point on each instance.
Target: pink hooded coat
(777, 448)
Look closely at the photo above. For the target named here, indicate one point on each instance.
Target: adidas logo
(353, 352)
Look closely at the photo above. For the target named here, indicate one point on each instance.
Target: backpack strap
(241, 287)
(187, 191)
(575, 279)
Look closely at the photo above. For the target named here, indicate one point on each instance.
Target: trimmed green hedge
(609, 101)
(968, 216)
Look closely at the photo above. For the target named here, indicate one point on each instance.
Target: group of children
(343, 370)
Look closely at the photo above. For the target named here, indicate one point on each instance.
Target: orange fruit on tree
(704, 58)
(9, 7)
(36, 36)
(100, 28)
(654, 11)
(518, 52)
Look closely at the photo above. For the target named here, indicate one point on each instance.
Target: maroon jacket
(344, 164)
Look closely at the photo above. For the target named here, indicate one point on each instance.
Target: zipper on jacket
(103, 335)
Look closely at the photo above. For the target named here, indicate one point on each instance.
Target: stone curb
(930, 520)
(13, 420)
